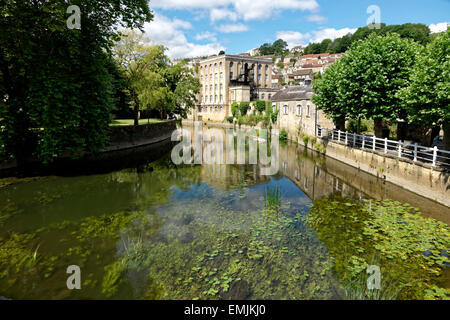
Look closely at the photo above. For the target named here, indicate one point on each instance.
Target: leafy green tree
(373, 71)
(328, 97)
(266, 49)
(279, 47)
(185, 86)
(260, 105)
(57, 93)
(235, 109)
(243, 108)
(427, 97)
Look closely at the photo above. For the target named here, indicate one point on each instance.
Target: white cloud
(206, 36)
(438, 27)
(171, 34)
(242, 9)
(232, 28)
(317, 19)
(223, 14)
(294, 38)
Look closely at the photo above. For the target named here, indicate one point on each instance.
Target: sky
(194, 28)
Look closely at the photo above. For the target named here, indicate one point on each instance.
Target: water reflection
(162, 231)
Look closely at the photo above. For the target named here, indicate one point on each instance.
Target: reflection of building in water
(311, 176)
(227, 177)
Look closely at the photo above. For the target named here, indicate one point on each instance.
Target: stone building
(298, 113)
(228, 78)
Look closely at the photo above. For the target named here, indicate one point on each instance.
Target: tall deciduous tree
(427, 97)
(56, 89)
(328, 97)
(373, 72)
(154, 83)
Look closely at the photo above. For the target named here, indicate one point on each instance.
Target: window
(217, 79)
(215, 87)
(215, 99)
(299, 110)
(308, 111)
(263, 96)
(259, 77)
(231, 75)
(231, 64)
(221, 98)
(270, 96)
(210, 99)
(265, 78)
(274, 107)
(286, 109)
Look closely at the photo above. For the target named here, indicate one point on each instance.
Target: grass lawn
(130, 122)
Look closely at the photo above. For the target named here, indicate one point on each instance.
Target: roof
(316, 55)
(303, 72)
(309, 65)
(293, 93)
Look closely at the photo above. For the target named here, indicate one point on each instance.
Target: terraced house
(229, 78)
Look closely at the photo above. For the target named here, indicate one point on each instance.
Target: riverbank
(124, 142)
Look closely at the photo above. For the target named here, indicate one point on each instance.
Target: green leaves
(366, 80)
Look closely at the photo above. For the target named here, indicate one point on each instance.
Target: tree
(243, 107)
(328, 97)
(56, 90)
(427, 97)
(221, 53)
(279, 47)
(185, 86)
(260, 105)
(373, 72)
(266, 49)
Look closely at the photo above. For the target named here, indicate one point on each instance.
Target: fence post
(415, 152)
(354, 140)
(339, 135)
(364, 141)
(346, 138)
(385, 144)
(374, 142)
(399, 149)
(435, 150)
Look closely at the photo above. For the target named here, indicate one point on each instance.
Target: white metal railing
(434, 156)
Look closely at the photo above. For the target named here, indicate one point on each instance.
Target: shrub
(240, 121)
(313, 140)
(260, 105)
(305, 140)
(235, 109)
(230, 119)
(243, 107)
(283, 135)
(274, 116)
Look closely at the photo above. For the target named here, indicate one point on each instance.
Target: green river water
(160, 231)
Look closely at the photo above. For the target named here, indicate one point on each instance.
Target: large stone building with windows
(226, 79)
(298, 113)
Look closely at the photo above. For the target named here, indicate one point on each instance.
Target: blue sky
(190, 28)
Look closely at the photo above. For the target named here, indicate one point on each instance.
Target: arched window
(263, 96)
(286, 109)
(231, 64)
(299, 110)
